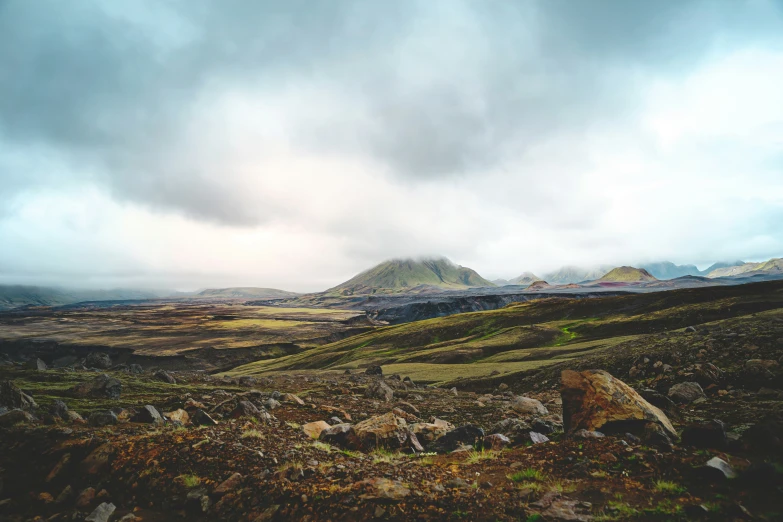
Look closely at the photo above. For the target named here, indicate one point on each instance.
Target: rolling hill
(246, 292)
(574, 274)
(400, 275)
(13, 296)
(773, 266)
(627, 274)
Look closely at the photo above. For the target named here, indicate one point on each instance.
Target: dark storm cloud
(111, 90)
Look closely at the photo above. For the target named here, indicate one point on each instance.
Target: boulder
(655, 435)
(245, 409)
(538, 438)
(86, 497)
(314, 429)
(374, 370)
(467, 435)
(148, 415)
(516, 430)
(99, 387)
(228, 485)
(12, 397)
(59, 410)
(717, 469)
(342, 435)
(271, 404)
(102, 513)
(98, 460)
(496, 441)
(36, 364)
(102, 418)
(428, 432)
(387, 431)
(528, 406)
(686, 392)
(164, 376)
(15, 417)
(710, 434)
(707, 373)
(180, 416)
(201, 418)
(660, 401)
(247, 380)
(292, 399)
(379, 390)
(594, 400)
(135, 369)
(98, 360)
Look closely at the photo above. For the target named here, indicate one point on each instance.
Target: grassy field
(526, 335)
(165, 329)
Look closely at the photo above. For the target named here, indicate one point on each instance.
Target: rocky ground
(681, 426)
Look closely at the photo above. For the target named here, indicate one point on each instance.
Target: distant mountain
(538, 285)
(12, 296)
(398, 275)
(246, 292)
(525, 278)
(575, 274)
(627, 274)
(773, 266)
(721, 264)
(668, 270)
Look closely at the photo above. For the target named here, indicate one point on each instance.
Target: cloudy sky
(290, 144)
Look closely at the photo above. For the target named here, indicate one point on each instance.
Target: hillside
(574, 274)
(774, 266)
(246, 292)
(399, 275)
(627, 274)
(538, 286)
(12, 296)
(523, 336)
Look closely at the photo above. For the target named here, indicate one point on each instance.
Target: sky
(188, 144)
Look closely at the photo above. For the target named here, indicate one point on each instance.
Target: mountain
(627, 274)
(398, 275)
(525, 278)
(721, 264)
(536, 286)
(575, 274)
(668, 270)
(12, 296)
(773, 266)
(246, 292)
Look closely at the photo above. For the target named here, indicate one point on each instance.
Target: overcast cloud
(193, 143)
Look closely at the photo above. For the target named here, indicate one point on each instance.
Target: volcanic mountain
(773, 266)
(575, 274)
(399, 275)
(526, 278)
(627, 274)
(246, 292)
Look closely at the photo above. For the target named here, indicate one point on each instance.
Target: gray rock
(271, 404)
(148, 415)
(12, 397)
(135, 369)
(718, 469)
(59, 409)
(538, 438)
(164, 376)
(15, 417)
(528, 406)
(102, 513)
(379, 390)
(98, 360)
(585, 434)
(686, 392)
(374, 370)
(100, 386)
(37, 364)
(102, 418)
(201, 418)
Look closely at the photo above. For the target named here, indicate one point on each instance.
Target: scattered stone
(717, 469)
(428, 432)
(245, 409)
(538, 438)
(64, 460)
(135, 369)
(545, 426)
(496, 441)
(342, 435)
(98, 460)
(15, 417)
(102, 513)
(148, 415)
(594, 400)
(247, 380)
(387, 431)
(98, 360)
(102, 418)
(100, 386)
(64, 495)
(587, 434)
(292, 399)
(469, 435)
(37, 364)
(690, 329)
(85, 498)
(379, 390)
(180, 416)
(686, 392)
(656, 436)
(314, 429)
(12, 397)
(202, 418)
(528, 406)
(374, 370)
(710, 434)
(383, 488)
(164, 376)
(271, 404)
(568, 510)
(228, 485)
(59, 410)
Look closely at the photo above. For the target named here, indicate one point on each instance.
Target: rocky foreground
(682, 439)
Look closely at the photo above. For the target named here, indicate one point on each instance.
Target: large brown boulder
(593, 400)
(388, 431)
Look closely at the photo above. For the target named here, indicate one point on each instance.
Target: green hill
(627, 274)
(774, 265)
(399, 275)
(246, 292)
(12, 296)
